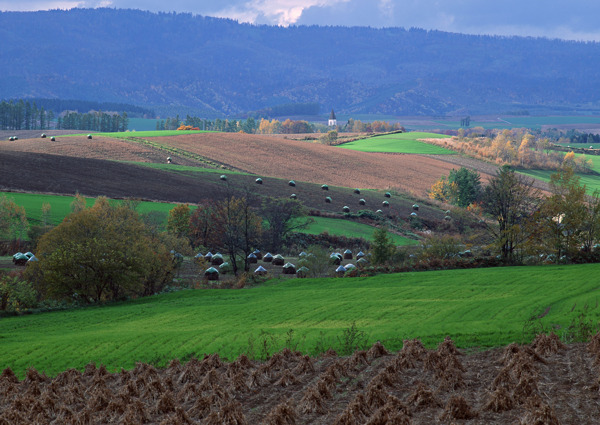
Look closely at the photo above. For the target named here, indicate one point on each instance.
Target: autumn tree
(238, 229)
(78, 203)
(462, 187)
(201, 230)
(510, 198)
(178, 221)
(281, 218)
(13, 220)
(100, 253)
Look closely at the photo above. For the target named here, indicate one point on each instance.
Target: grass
(477, 308)
(399, 143)
(531, 122)
(340, 227)
(61, 205)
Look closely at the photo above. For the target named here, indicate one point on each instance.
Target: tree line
(93, 121)
(23, 115)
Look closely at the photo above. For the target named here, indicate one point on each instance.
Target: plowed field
(544, 383)
(314, 162)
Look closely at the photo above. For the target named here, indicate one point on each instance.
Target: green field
(340, 227)
(477, 308)
(532, 122)
(399, 143)
(592, 182)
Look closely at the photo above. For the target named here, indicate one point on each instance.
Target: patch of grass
(592, 182)
(340, 227)
(531, 122)
(477, 308)
(399, 143)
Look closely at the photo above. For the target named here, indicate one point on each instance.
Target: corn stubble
(520, 384)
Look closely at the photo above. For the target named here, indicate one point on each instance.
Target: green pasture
(477, 308)
(399, 143)
(61, 205)
(340, 227)
(532, 122)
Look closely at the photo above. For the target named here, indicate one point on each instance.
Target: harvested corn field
(545, 382)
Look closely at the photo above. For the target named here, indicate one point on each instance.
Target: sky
(564, 19)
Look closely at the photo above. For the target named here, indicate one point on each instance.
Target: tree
(468, 186)
(382, 247)
(78, 203)
(281, 218)
(100, 253)
(510, 198)
(237, 229)
(201, 226)
(13, 220)
(562, 216)
(178, 222)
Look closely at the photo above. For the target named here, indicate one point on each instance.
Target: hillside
(179, 63)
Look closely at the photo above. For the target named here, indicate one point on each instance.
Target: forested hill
(218, 66)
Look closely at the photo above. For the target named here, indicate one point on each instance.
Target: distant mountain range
(180, 63)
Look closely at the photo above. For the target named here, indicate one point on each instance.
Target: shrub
(16, 295)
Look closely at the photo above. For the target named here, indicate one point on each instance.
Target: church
(332, 120)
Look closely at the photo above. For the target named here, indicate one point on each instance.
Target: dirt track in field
(544, 383)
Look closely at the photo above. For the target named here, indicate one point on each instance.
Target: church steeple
(332, 119)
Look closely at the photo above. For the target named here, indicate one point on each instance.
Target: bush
(16, 295)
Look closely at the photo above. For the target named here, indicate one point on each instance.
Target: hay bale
(208, 256)
(415, 207)
(346, 209)
(357, 191)
(217, 260)
(379, 211)
(336, 258)
(362, 202)
(388, 195)
(347, 255)
(324, 187)
(223, 177)
(292, 183)
(302, 254)
(225, 268)
(349, 266)
(385, 204)
(252, 259)
(447, 218)
(328, 200)
(360, 254)
(278, 260)
(259, 181)
(211, 274)
(260, 271)
(268, 257)
(20, 259)
(43, 136)
(340, 271)
(289, 268)
(89, 136)
(362, 262)
(302, 272)
(413, 214)
(293, 196)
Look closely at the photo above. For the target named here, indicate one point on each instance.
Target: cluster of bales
(20, 259)
(219, 266)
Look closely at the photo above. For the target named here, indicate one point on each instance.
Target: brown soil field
(542, 383)
(314, 162)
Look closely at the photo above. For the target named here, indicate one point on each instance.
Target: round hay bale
(15, 138)
(447, 212)
(252, 259)
(43, 136)
(340, 271)
(302, 272)
(335, 259)
(293, 196)
(208, 256)
(53, 139)
(413, 214)
(292, 183)
(20, 259)
(349, 266)
(223, 177)
(324, 187)
(260, 271)
(362, 262)
(89, 136)
(168, 160)
(415, 207)
(346, 209)
(217, 260)
(268, 257)
(388, 195)
(278, 260)
(11, 138)
(385, 203)
(29, 254)
(302, 254)
(259, 181)
(360, 254)
(328, 200)
(347, 255)
(289, 268)
(447, 218)
(257, 253)
(211, 273)
(379, 212)
(357, 191)
(225, 268)
(362, 202)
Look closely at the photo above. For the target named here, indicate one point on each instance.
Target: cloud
(279, 12)
(27, 6)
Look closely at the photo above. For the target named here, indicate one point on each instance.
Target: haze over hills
(218, 67)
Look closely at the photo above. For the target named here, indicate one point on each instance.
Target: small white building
(332, 120)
